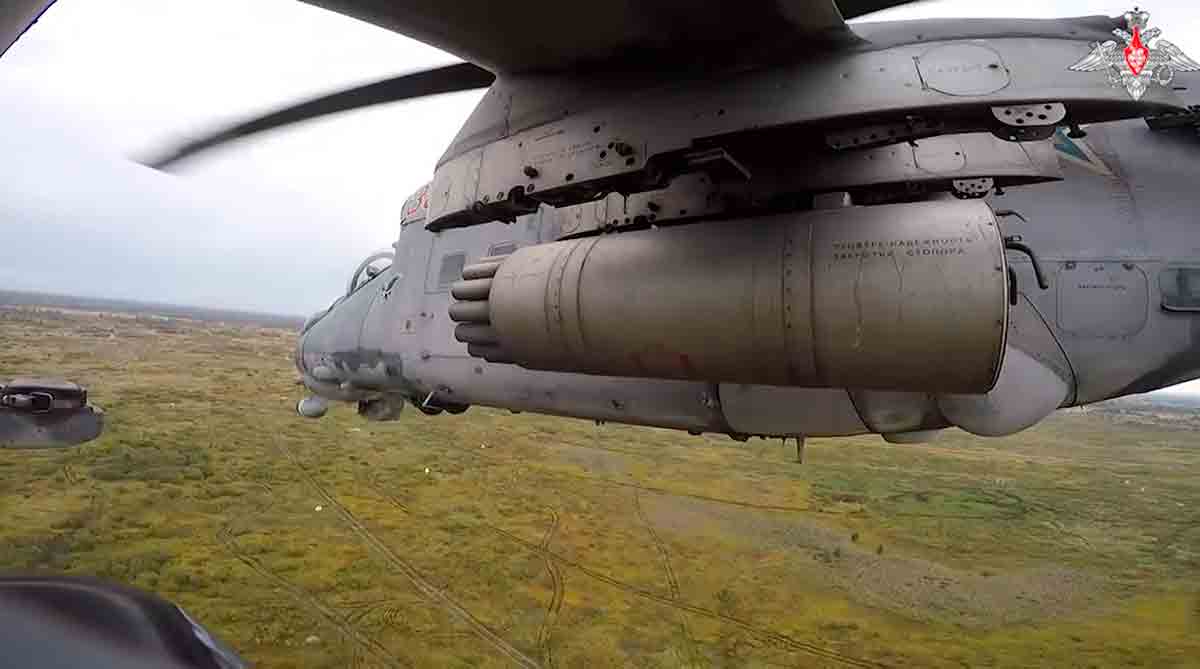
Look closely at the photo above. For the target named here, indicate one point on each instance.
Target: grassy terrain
(492, 539)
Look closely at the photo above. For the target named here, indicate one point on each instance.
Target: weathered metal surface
(1102, 299)
(1026, 392)
(907, 297)
(963, 68)
(1126, 196)
(575, 156)
(775, 411)
(932, 164)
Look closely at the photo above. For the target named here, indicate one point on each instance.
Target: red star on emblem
(1136, 54)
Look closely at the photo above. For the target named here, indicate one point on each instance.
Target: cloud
(94, 83)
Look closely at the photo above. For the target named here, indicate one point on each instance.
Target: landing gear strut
(433, 406)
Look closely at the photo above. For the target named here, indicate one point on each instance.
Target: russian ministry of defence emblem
(1138, 64)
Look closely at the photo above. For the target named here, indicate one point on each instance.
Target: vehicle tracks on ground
(429, 591)
(378, 488)
(364, 644)
(556, 598)
(672, 582)
(361, 611)
(776, 639)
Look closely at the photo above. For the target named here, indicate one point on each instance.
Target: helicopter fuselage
(1115, 237)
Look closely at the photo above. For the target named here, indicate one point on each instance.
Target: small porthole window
(1180, 288)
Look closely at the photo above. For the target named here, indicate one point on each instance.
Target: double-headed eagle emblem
(1136, 65)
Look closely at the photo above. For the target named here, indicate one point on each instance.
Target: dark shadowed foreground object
(46, 413)
(16, 16)
(60, 622)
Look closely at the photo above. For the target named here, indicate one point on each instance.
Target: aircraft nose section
(298, 355)
(317, 404)
(303, 343)
(327, 340)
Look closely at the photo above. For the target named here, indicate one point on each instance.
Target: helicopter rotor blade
(448, 79)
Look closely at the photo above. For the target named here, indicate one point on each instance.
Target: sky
(275, 223)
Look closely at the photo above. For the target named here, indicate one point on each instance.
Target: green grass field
(491, 539)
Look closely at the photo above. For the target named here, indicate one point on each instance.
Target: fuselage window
(451, 269)
(1180, 288)
(502, 249)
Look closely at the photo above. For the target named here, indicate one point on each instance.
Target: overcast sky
(275, 224)
(272, 224)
